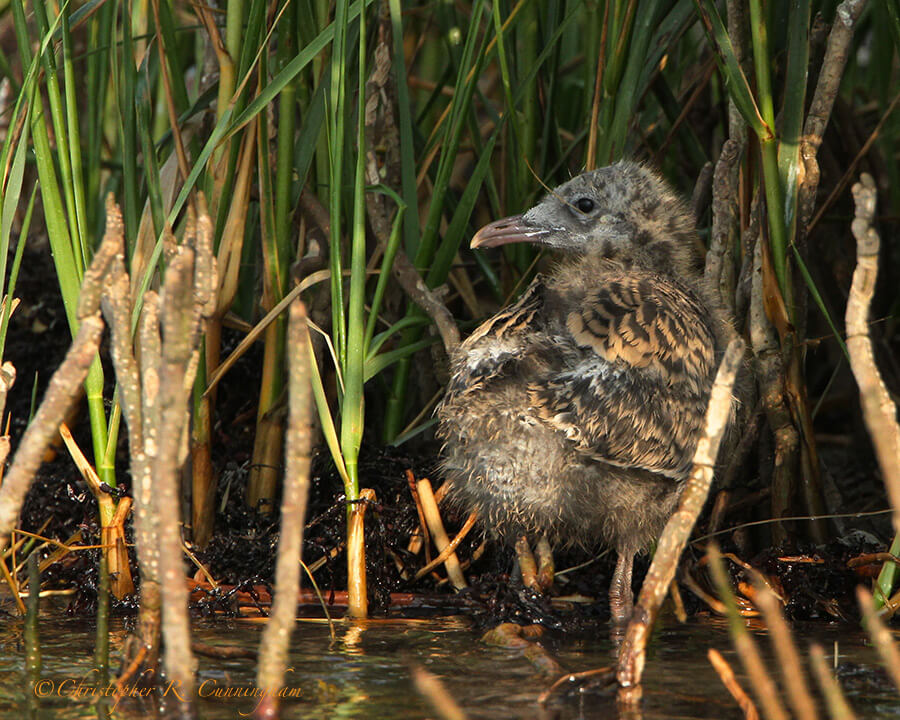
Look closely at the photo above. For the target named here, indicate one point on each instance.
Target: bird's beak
(511, 229)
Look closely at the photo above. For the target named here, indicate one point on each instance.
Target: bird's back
(580, 403)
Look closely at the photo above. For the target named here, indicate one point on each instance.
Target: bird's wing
(497, 343)
(635, 394)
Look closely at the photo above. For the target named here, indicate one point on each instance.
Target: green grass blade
(387, 262)
(228, 124)
(14, 272)
(626, 92)
(378, 341)
(405, 122)
(887, 578)
(778, 232)
(793, 110)
(667, 32)
(892, 8)
(516, 145)
(57, 118)
(145, 135)
(458, 227)
(11, 194)
(128, 122)
(378, 363)
(413, 432)
(74, 131)
(353, 405)
(327, 422)
(730, 68)
(306, 143)
(292, 69)
(820, 303)
(453, 129)
(337, 117)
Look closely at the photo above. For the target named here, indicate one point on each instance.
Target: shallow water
(365, 672)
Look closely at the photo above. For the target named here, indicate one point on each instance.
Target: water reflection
(366, 673)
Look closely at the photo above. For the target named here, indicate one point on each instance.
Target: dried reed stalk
(155, 393)
(450, 548)
(761, 682)
(440, 699)
(792, 672)
(879, 411)
(273, 654)
(771, 374)
(64, 389)
(832, 70)
(678, 528)
(62, 393)
(436, 527)
(882, 637)
(837, 705)
(719, 270)
(7, 380)
(726, 675)
(356, 555)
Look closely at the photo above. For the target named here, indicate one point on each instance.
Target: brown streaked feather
(645, 321)
(635, 396)
(512, 319)
(497, 343)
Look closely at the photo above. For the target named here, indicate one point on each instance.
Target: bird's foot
(537, 574)
(545, 566)
(621, 598)
(620, 611)
(620, 608)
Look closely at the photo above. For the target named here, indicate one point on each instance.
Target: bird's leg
(527, 564)
(545, 567)
(537, 574)
(620, 596)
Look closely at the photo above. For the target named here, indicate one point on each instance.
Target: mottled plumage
(575, 412)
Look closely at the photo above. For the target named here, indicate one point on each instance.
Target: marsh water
(365, 672)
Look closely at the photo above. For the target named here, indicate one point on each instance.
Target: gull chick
(574, 413)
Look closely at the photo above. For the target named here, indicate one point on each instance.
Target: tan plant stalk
(879, 411)
(794, 678)
(632, 654)
(61, 394)
(726, 674)
(274, 645)
(838, 708)
(764, 688)
(770, 374)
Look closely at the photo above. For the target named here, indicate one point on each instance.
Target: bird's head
(622, 209)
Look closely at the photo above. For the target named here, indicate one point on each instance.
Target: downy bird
(574, 413)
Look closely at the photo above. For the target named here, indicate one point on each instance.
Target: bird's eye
(584, 204)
